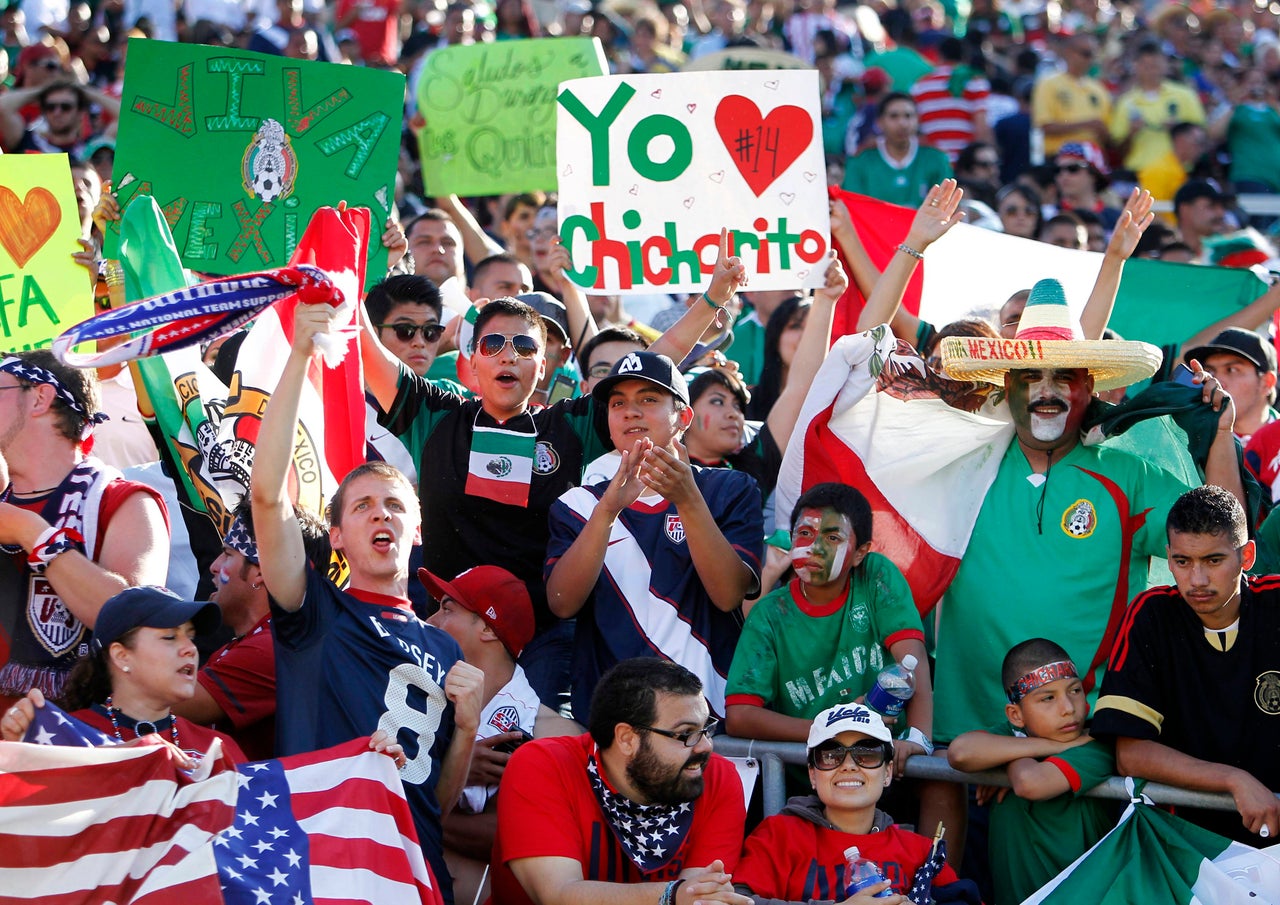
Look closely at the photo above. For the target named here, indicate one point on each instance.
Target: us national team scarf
(500, 467)
(650, 834)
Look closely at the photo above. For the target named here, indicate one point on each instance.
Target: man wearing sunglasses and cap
(490, 468)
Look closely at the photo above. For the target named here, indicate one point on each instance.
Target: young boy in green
(1051, 760)
(822, 639)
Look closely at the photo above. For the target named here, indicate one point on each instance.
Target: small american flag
(124, 825)
(922, 883)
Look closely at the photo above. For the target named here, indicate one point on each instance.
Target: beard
(658, 782)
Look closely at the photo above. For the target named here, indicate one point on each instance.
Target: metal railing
(1256, 205)
(773, 755)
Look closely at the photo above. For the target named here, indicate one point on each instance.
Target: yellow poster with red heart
(42, 290)
(650, 167)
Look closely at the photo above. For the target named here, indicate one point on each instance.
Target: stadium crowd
(567, 575)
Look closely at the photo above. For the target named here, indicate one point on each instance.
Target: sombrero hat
(1048, 337)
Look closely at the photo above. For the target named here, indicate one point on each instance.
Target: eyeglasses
(522, 344)
(599, 371)
(546, 232)
(689, 739)
(831, 755)
(989, 164)
(56, 106)
(405, 332)
(1015, 209)
(1072, 167)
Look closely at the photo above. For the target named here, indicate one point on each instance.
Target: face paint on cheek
(838, 558)
(224, 577)
(799, 555)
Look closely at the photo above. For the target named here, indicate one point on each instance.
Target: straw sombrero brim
(1112, 363)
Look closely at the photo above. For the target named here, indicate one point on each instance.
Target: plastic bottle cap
(851, 853)
(909, 662)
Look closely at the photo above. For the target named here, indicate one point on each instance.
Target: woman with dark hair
(781, 338)
(514, 19)
(142, 661)
(1019, 208)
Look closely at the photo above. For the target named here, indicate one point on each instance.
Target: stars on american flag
(256, 863)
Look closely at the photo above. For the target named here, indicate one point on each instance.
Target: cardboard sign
(42, 291)
(491, 112)
(652, 166)
(241, 148)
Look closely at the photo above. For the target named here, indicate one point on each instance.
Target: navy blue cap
(647, 366)
(153, 608)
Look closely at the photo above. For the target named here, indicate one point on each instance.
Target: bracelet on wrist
(908, 250)
(721, 317)
(669, 894)
(917, 737)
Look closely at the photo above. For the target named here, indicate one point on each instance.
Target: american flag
(922, 883)
(124, 825)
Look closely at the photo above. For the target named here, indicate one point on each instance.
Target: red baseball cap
(493, 594)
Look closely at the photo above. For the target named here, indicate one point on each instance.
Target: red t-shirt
(193, 739)
(241, 677)
(376, 26)
(546, 809)
(790, 858)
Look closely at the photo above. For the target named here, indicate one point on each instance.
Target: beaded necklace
(138, 724)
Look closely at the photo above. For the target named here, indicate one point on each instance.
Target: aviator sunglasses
(491, 344)
(830, 756)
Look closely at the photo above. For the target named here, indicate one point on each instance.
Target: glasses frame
(689, 739)
(858, 752)
(413, 330)
(524, 345)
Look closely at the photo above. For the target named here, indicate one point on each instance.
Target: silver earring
(126, 669)
(256, 586)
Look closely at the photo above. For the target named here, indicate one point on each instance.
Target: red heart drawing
(762, 147)
(26, 225)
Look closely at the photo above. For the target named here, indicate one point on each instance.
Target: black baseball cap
(1238, 341)
(551, 310)
(153, 608)
(1195, 189)
(647, 366)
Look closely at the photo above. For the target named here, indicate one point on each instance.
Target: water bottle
(894, 687)
(861, 874)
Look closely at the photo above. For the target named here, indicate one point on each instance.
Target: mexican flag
(876, 418)
(209, 427)
(1153, 856)
(972, 271)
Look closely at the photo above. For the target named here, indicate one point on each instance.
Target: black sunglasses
(1072, 167)
(405, 332)
(690, 738)
(492, 344)
(830, 755)
(59, 105)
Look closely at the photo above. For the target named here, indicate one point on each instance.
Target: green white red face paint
(821, 542)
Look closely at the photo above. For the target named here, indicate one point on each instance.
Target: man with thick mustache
(1064, 535)
(637, 811)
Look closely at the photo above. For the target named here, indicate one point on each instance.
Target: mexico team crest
(52, 624)
(505, 719)
(1266, 694)
(545, 458)
(269, 168)
(1080, 519)
(675, 529)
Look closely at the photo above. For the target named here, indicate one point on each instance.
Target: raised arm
(582, 326)
(1134, 220)
(1250, 317)
(381, 367)
(12, 125)
(937, 214)
(476, 244)
(282, 557)
(729, 275)
(810, 354)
